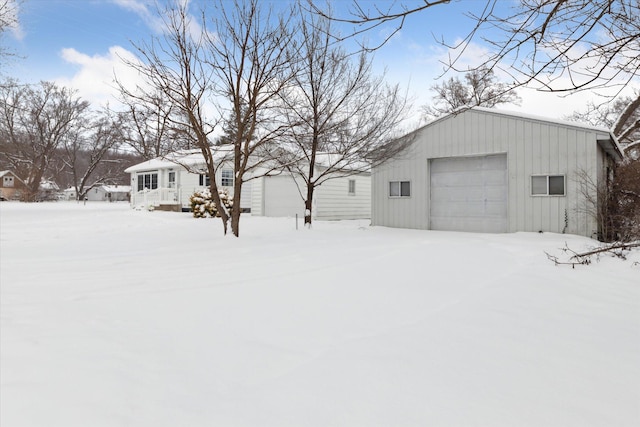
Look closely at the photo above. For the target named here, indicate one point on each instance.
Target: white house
(171, 180)
(109, 193)
(168, 182)
(487, 170)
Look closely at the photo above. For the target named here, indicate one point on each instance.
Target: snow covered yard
(116, 317)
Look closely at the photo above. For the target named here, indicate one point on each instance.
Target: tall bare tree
(35, 121)
(480, 88)
(554, 45)
(175, 68)
(340, 118)
(249, 56)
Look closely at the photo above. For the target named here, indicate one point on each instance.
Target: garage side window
(399, 189)
(547, 185)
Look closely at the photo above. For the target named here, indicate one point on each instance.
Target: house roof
(116, 188)
(194, 158)
(8, 172)
(610, 144)
(186, 158)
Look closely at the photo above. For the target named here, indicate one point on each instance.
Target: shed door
(469, 194)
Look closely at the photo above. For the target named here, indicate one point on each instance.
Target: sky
(81, 43)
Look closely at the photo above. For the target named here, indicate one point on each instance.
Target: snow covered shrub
(202, 204)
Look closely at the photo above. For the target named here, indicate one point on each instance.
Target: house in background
(109, 193)
(168, 183)
(486, 170)
(11, 186)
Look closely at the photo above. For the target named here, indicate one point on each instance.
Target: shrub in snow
(202, 204)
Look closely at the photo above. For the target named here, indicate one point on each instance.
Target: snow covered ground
(116, 317)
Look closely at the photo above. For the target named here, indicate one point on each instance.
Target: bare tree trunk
(308, 205)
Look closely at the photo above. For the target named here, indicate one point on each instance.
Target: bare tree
(480, 88)
(86, 152)
(249, 46)
(174, 67)
(147, 126)
(35, 122)
(340, 119)
(555, 45)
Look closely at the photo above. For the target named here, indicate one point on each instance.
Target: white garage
(469, 194)
(486, 170)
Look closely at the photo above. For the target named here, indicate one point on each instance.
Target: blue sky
(79, 43)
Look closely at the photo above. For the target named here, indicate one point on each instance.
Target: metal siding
(532, 146)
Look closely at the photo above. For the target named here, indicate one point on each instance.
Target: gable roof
(606, 139)
(186, 158)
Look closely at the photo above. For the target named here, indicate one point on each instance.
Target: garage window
(547, 185)
(399, 189)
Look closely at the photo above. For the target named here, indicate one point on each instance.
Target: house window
(399, 189)
(147, 181)
(547, 185)
(204, 180)
(352, 187)
(227, 178)
(8, 181)
(172, 179)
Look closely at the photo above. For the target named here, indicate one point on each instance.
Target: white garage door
(469, 194)
(282, 198)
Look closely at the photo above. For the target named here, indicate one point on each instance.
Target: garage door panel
(469, 193)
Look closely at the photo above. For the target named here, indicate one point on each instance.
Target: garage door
(281, 197)
(469, 194)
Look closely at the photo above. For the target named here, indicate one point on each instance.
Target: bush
(202, 204)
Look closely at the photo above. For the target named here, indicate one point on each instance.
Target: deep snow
(117, 317)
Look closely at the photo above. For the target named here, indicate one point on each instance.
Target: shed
(487, 170)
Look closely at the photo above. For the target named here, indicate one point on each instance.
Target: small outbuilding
(486, 170)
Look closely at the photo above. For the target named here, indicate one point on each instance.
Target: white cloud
(95, 79)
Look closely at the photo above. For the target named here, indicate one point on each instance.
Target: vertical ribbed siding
(533, 147)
